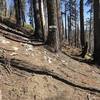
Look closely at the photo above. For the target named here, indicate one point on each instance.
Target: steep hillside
(28, 71)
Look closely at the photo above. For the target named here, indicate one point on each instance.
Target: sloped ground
(22, 85)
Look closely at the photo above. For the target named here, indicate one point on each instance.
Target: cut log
(22, 65)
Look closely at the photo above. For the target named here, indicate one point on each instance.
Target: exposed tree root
(11, 26)
(80, 59)
(18, 38)
(22, 65)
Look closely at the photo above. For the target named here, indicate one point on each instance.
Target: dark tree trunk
(90, 31)
(68, 18)
(82, 35)
(75, 24)
(17, 5)
(22, 13)
(37, 19)
(70, 21)
(65, 21)
(97, 30)
(5, 4)
(53, 35)
(59, 20)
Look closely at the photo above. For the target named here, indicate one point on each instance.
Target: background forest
(49, 49)
(55, 22)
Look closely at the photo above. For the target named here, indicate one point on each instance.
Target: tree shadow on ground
(80, 59)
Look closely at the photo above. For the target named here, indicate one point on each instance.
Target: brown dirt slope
(67, 79)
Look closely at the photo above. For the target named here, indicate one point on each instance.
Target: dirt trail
(21, 85)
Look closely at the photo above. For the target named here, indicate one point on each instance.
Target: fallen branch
(22, 65)
(13, 37)
(12, 26)
(6, 28)
(80, 59)
(18, 38)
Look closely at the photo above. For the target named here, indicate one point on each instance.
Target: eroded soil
(18, 84)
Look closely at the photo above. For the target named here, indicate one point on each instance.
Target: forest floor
(30, 72)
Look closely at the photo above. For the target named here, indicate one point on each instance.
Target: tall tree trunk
(70, 21)
(82, 35)
(59, 20)
(37, 19)
(82, 38)
(65, 21)
(5, 4)
(96, 30)
(41, 7)
(22, 12)
(53, 35)
(90, 31)
(46, 20)
(17, 11)
(68, 18)
(75, 24)
(31, 14)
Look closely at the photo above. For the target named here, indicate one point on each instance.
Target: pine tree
(96, 30)
(53, 35)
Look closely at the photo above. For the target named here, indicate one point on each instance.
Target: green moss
(28, 27)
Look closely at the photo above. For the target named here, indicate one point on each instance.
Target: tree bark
(84, 44)
(17, 5)
(59, 20)
(53, 34)
(41, 7)
(97, 30)
(37, 19)
(82, 37)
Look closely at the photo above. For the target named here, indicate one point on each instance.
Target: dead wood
(19, 38)
(22, 65)
(11, 24)
(13, 37)
(14, 31)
